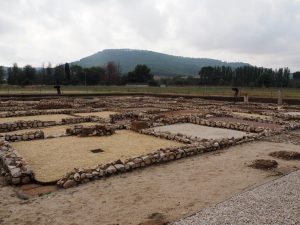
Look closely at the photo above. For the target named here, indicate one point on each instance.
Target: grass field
(201, 91)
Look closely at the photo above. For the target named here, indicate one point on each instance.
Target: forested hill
(160, 64)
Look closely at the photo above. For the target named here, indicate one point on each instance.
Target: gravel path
(277, 202)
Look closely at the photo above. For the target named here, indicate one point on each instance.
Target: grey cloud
(261, 32)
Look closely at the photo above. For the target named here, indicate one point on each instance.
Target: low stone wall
(27, 136)
(13, 108)
(55, 104)
(96, 130)
(82, 120)
(289, 117)
(48, 112)
(22, 125)
(201, 121)
(123, 116)
(228, 125)
(16, 170)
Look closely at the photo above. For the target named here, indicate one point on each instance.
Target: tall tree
(112, 71)
(14, 75)
(67, 71)
(141, 74)
(28, 76)
(59, 72)
(296, 75)
(2, 73)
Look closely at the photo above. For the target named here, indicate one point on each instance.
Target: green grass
(201, 91)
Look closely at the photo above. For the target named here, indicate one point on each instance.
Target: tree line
(110, 74)
(66, 74)
(247, 76)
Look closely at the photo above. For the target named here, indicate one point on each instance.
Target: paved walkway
(277, 202)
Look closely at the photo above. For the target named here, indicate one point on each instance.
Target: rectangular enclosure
(200, 131)
(50, 159)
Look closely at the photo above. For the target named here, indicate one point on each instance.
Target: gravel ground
(277, 202)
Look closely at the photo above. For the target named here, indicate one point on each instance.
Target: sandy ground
(54, 130)
(167, 191)
(54, 117)
(50, 159)
(104, 114)
(200, 131)
(250, 115)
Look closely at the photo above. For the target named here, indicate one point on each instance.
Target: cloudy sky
(260, 32)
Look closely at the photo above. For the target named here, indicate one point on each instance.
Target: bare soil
(167, 191)
(50, 159)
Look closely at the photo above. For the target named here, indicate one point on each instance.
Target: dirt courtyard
(168, 191)
(50, 159)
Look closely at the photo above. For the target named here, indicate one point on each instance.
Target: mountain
(160, 64)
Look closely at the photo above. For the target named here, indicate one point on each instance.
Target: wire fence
(195, 90)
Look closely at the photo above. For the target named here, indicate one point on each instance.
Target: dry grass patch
(54, 117)
(50, 159)
(287, 155)
(264, 164)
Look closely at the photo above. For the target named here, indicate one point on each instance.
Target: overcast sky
(260, 32)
